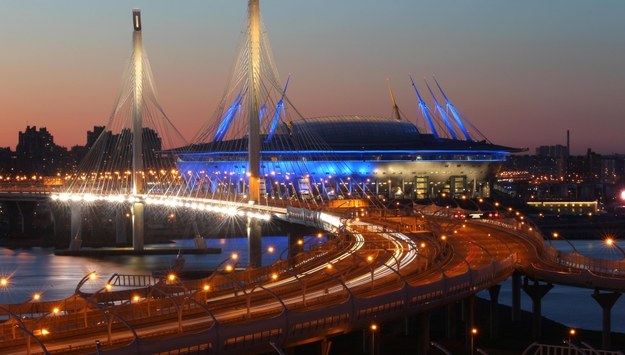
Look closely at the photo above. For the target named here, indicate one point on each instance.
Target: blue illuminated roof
(350, 133)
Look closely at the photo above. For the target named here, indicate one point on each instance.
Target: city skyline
(522, 73)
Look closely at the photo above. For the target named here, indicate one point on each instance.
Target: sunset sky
(523, 72)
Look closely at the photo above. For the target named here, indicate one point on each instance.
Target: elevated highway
(374, 270)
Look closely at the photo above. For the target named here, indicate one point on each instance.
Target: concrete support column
(469, 321)
(199, 241)
(121, 237)
(409, 325)
(254, 243)
(516, 296)
(423, 333)
(536, 292)
(75, 211)
(606, 301)
(450, 321)
(20, 215)
(494, 311)
(292, 248)
(325, 346)
(138, 224)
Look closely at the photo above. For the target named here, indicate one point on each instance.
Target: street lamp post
(89, 277)
(556, 235)
(473, 334)
(233, 257)
(572, 333)
(609, 241)
(374, 329)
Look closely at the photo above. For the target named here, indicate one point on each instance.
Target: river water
(38, 270)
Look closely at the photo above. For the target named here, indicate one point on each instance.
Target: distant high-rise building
(552, 151)
(33, 143)
(92, 136)
(37, 153)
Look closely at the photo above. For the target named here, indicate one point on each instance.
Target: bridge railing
(572, 260)
(578, 261)
(568, 349)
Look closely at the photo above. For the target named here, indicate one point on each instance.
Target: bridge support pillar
(469, 322)
(606, 301)
(254, 243)
(516, 296)
(200, 242)
(121, 235)
(409, 325)
(494, 311)
(138, 225)
(325, 346)
(293, 247)
(75, 211)
(21, 217)
(536, 292)
(423, 333)
(450, 321)
(15, 217)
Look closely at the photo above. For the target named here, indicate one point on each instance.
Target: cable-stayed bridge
(375, 268)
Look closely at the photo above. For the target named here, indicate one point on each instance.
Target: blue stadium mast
(276, 116)
(227, 119)
(424, 110)
(454, 112)
(442, 112)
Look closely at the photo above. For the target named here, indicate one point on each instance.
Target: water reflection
(38, 270)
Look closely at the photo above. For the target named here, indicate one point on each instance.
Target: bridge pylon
(75, 226)
(128, 161)
(253, 226)
(138, 207)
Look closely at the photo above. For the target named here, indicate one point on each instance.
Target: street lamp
(473, 334)
(370, 259)
(556, 235)
(171, 277)
(269, 250)
(572, 333)
(609, 241)
(374, 329)
(228, 268)
(92, 276)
